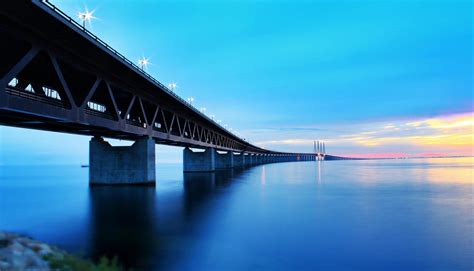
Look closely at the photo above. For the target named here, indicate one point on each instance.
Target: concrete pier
(250, 161)
(257, 159)
(211, 159)
(199, 161)
(224, 160)
(239, 160)
(122, 165)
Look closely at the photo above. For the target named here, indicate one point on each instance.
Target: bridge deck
(56, 76)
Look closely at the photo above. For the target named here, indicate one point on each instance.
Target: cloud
(443, 135)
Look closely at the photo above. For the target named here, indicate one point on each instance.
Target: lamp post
(86, 16)
(172, 86)
(143, 63)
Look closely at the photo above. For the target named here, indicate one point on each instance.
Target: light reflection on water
(378, 214)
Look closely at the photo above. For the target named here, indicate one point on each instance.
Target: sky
(371, 78)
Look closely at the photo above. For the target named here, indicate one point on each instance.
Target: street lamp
(86, 16)
(190, 100)
(143, 62)
(202, 109)
(172, 86)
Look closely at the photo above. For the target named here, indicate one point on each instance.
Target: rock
(4, 265)
(34, 260)
(22, 253)
(24, 241)
(4, 241)
(44, 250)
(16, 248)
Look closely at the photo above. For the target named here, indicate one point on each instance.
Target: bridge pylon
(122, 165)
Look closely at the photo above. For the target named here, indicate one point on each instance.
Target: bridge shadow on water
(147, 229)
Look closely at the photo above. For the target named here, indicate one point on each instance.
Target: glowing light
(202, 109)
(86, 17)
(190, 100)
(172, 86)
(144, 62)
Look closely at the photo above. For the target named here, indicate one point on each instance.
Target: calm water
(341, 215)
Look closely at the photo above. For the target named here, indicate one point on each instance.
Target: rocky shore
(19, 252)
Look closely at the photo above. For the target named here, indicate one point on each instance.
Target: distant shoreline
(334, 158)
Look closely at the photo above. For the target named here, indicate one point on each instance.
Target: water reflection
(138, 227)
(123, 224)
(319, 165)
(447, 170)
(199, 186)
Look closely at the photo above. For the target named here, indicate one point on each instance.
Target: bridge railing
(132, 64)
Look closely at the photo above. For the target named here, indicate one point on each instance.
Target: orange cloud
(453, 133)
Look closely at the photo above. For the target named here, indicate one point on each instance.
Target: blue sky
(283, 73)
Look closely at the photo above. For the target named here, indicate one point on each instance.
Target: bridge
(55, 75)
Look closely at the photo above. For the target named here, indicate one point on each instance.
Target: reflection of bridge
(147, 222)
(57, 76)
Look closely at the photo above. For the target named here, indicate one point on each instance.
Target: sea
(398, 214)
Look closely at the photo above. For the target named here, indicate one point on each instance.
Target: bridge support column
(239, 160)
(224, 161)
(122, 165)
(250, 161)
(199, 161)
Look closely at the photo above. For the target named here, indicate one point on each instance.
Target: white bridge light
(172, 86)
(86, 17)
(144, 62)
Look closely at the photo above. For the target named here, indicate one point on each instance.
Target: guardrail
(35, 97)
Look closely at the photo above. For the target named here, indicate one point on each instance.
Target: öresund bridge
(57, 76)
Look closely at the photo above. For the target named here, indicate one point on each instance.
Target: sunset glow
(438, 136)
